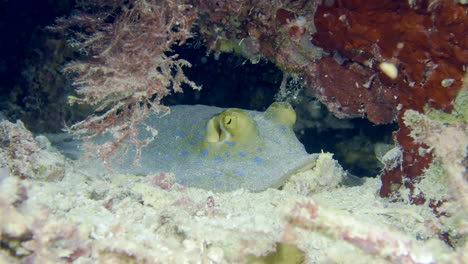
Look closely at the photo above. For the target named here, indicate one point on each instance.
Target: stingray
(220, 149)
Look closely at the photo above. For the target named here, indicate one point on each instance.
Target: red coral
(353, 90)
(426, 42)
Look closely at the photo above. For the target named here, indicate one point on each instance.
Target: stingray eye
(230, 122)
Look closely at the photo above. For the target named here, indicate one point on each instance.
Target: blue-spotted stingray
(221, 149)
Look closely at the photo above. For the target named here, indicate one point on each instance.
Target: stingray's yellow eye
(230, 122)
(234, 126)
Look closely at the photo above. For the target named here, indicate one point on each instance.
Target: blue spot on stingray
(227, 154)
(240, 174)
(198, 163)
(196, 178)
(184, 153)
(216, 175)
(193, 143)
(258, 160)
(259, 149)
(179, 134)
(204, 154)
(219, 160)
(199, 136)
(218, 184)
(231, 143)
(283, 128)
(242, 154)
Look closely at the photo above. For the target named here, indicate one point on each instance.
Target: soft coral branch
(127, 72)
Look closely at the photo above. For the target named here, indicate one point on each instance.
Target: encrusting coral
(424, 41)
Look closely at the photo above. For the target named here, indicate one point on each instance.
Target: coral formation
(426, 43)
(352, 90)
(27, 156)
